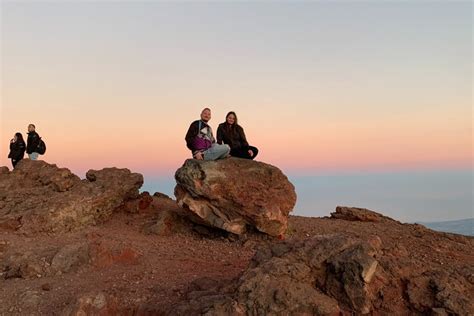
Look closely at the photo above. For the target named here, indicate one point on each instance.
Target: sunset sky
(320, 87)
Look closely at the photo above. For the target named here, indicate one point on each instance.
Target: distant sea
(416, 196)
(463, 226)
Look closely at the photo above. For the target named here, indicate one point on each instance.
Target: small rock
(46, 287)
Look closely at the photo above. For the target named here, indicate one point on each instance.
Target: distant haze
(463, 226)
(405, 196)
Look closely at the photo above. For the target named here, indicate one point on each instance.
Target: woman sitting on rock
(17, 149)
(231, 133)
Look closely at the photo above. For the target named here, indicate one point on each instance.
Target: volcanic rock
(233, 193)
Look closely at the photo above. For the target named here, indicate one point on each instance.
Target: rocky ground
(121, 253)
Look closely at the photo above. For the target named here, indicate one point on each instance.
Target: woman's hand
(250, 153)
(199, 156)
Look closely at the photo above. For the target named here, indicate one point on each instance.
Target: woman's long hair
(231, 128)
(229, 114)
(19, 137)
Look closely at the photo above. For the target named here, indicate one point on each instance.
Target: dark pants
(15, 161)
(243, 152)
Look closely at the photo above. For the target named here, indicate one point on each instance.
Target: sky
(320, 87)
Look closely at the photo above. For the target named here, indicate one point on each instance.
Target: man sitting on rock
(201, 141)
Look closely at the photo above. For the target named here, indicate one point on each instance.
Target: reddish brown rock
(11, 223)
(105, 253)
(26, 265)
(44, 261)
(4, 170)
(70, 257)
(145, 201)
(46, 287)
(358, 214)
(320, 276)
(167, 223)
(95, 304)
(233, 193)
(441, 290)
(3, 246)
(344, 274)
(40, 197)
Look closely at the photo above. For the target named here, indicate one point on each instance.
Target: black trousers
(15, 161)
(243, 152)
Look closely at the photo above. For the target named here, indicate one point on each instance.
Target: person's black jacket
(17, 150)
(233, 136)
(32, 142)
(193, 131)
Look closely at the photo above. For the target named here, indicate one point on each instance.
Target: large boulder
(37, 196)
(233, 193)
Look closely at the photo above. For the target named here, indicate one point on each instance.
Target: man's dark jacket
(32, 142)
(193, 131)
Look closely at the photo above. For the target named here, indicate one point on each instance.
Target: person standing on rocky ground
(231, 133)
(33, 142)
(200, 140)
(17, 149)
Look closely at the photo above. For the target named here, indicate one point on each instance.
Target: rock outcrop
(324, 275)
(358, 214)
(343, 274)
(232, 194)
(50, 261)
(38, 196)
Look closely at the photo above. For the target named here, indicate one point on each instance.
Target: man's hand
(199, 156)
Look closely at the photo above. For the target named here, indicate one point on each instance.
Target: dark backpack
(41, 147)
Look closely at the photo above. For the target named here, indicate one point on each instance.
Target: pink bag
(201, 143)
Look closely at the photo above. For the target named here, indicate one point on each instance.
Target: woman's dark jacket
(32, 142)
(17, 150)
(233, 136)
